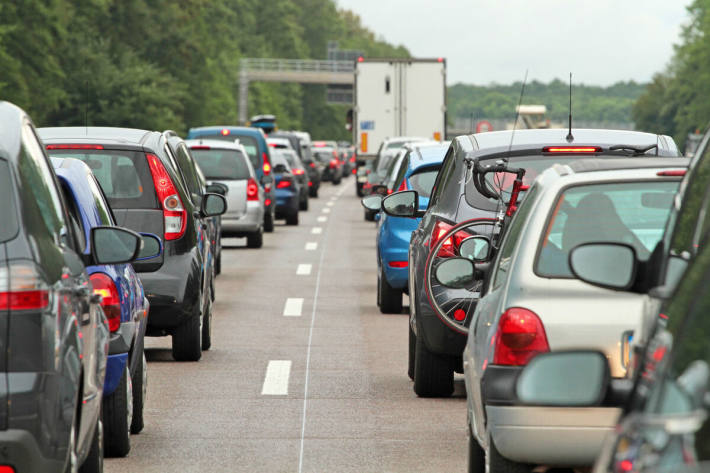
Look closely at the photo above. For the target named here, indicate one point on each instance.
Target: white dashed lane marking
(293, 307)
(316, 230)
(303, 269)
(330, 204)
(276, 379)
(311, 245)
(326, 210)
(322, 218)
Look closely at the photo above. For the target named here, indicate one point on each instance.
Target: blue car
(288, 190)
(124, 304)
(254, 142)
(417, 171)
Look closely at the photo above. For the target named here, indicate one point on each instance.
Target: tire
(313, 192)
(389, 299)
(292, 218)
(187, 339)
(118, 417)
(94, 462)
(369, 215)
(476, 455)
(337, 183)
(433, 374)
(412, 352)
(303, 205)
(207, 326)
(218, 263)
(140, 388)
(497, 463)
(256, 239)
(358, 191)
(269, 222)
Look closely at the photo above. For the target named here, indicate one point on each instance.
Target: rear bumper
(249, 222)
(550, 435)
(20, 450)
(286, 204)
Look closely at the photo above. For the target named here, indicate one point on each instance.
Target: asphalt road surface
(305, 374)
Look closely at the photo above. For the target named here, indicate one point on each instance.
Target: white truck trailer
(398, 97)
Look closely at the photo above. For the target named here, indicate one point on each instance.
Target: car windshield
(221, 164)
(634, 213)
(423, 182)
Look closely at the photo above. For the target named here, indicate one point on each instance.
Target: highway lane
(304, 374)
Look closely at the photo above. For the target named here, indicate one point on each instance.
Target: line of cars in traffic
(109, 235)
(561, 272)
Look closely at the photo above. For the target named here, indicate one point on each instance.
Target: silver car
(534, 302)
(228, 163)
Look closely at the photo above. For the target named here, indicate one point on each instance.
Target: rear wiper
(635, 151)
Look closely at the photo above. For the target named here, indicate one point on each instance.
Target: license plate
(362, 179)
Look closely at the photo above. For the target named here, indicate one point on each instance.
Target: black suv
(141, 177)
(455, 199)
(53, 332)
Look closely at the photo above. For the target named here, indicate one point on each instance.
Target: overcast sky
(484, 41)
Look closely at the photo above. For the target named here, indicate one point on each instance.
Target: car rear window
(323, 156)
(222, 164)
(8, 214)
(423, 182)
(503, 182)
(123, 175)
(634, 213)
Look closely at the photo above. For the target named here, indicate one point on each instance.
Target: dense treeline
(677, 101)
(611, 104)
(169, 64)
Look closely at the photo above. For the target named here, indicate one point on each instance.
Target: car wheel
(256, 239)
(118, 417)
(207, 325)
(358, 191)
(369, 215)
(497, 463)
(389, 299)
(313, 192)
(94, 462)
(303, 205)
(218, 263)
(292, 218)
(140, 388)
(187, 338)
(433, 374)
(476, 455)
(336, 182)
(269, 222)
(412, 351)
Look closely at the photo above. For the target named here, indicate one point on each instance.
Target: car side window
(37, 179)
(510, 239)
(402, 171)
(187, 166)
(444, 176)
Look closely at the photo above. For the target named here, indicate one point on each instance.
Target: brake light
(267, 164)
(273, 145)
(572, 149)
(252, 190)
(174, 214)
(21, 288)
(672, 173)
(352, 158)
(319, 144)
(225, 132)
(520, 337)
(333, 163)
(398, 264)
(283, 184)
(110, 301)
(451, 244)
(75, 146)
(354, 171)
(312, 165)
(403, 186)
(310, 183)
(267, 202)
(200, 147)
(298, 172)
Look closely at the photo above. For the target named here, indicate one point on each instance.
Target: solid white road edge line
(311, 245)
(276, 379)
(303, 269)
(293, 307)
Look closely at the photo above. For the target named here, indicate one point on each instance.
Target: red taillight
(267, 164)
(74, 146)
(6, 469)
(21, 288)
(273, 145)
(174, 214)
(333, 163)
(572, 149)
(520, 337)
(298, 172)
(252, 189)
(110, 302)
(267, 202)
(352, 158)
(449, 246)
(672, 173)
(319, 144)
(312, 165)
(398, 264)
(403, 186)
(310, 184)
(283, 184)
(200, 147)
(360, 59)
(225, 132)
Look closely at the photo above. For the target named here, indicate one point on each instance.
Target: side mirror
(564, 379)
(608, 265)
(476, 248)
(114, 245)
(151, 247)
(372, 202)
(217, 188)
(402, 204)
(456, 273)
(213, 205)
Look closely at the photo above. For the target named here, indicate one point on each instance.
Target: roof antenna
(517, 111)
(570, 138)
